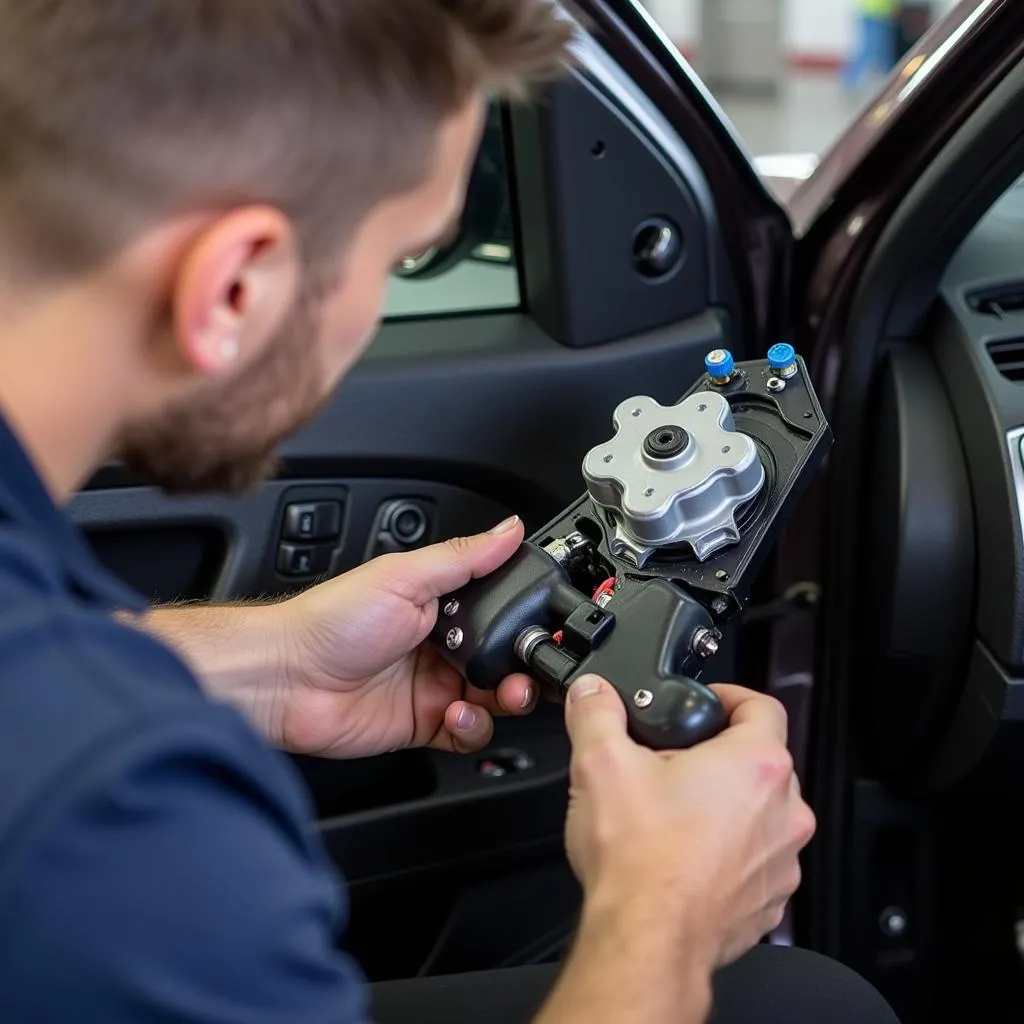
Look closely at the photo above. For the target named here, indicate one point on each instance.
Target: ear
(233, 289)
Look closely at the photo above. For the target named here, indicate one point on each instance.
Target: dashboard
(979, 347)
(942, 598)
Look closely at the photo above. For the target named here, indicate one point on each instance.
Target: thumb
(423, 576)
(594, 714)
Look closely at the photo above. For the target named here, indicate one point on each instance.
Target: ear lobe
(234, 288)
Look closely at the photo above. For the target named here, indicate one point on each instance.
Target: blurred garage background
(792, 73)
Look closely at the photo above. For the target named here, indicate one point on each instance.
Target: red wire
(606, 588)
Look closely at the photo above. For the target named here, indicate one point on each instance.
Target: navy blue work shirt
(156, 861)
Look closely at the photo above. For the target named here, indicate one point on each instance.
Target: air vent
(998, 302)
(1008, 357)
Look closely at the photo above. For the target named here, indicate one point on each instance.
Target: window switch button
(303, 560)
(313, 521)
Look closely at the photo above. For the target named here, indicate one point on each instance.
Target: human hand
(358, 677)
(711, 834)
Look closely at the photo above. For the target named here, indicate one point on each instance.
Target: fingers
(758, 710)
(423, 576)
(517, 695)
(467, 728)
(469, 725)
(594, 715)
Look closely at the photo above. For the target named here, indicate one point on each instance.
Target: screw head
(451, 608)
(643, 698)
(721, 575)
(893, 922)
(776, 384)
(454, 639)
(705, 643)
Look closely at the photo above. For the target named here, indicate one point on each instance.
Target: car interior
(916, 732)
(501, 358)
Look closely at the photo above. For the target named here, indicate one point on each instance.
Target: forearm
(631, 962)
(236, 651)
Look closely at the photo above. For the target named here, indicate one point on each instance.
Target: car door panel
(464, 814)
(577, 157)
(243, 541)
(520, 407)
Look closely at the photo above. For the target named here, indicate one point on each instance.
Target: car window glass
(475, 269)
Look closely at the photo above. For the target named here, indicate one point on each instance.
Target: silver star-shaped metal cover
(688, 498)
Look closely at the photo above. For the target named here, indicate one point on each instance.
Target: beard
(223, 438)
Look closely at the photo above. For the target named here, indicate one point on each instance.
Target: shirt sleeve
(178, 884)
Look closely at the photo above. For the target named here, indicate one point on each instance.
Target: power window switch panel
(312, 521)
(303, 560)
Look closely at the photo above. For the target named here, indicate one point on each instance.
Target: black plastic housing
(531, 589)
(652, 641)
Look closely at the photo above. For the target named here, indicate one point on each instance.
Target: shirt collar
(24, 500)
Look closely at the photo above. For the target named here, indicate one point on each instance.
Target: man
(200, 203)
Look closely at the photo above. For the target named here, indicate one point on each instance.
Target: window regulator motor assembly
(637, 580)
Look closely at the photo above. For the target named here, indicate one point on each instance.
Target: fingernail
(585, 686)
(466, 718)
(510, 524)
(527, 697)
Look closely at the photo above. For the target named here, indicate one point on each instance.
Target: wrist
(631, 960)
(662, 915)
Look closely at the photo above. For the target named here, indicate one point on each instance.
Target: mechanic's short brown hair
(115, 114)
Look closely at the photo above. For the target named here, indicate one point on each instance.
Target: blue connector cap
(782, 359)
(720, 364)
